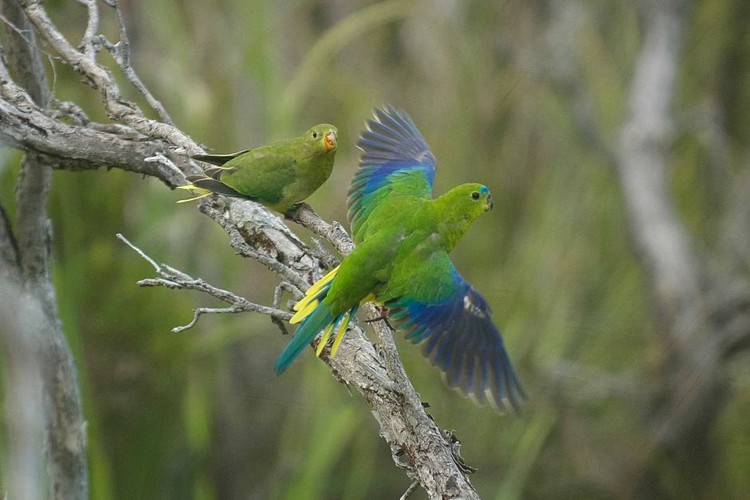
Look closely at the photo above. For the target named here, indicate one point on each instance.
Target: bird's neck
(451, 224)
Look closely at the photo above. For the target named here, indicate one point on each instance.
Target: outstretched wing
(451, 321)
(395, 160)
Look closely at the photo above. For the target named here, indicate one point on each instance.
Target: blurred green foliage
(526, 97)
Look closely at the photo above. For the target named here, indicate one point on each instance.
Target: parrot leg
(291, 212)
(383, 317)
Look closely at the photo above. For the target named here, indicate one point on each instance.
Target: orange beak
(330, 140)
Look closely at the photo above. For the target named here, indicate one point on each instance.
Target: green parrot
(403, 237)
(277, 175)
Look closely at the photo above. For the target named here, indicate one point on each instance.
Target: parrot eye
(475, 195)
(315, 135)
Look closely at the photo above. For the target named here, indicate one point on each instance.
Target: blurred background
(526, 97)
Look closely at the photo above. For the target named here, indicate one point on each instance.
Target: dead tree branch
(169, 277)
(36, 334)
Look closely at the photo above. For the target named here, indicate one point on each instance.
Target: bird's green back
(283, 172)
(278, 175)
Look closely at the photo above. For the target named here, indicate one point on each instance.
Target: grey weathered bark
(159, 149)
(703, 309)
(36, 347)
(23, 401)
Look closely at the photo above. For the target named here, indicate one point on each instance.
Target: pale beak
(330, 140)
(488, 205)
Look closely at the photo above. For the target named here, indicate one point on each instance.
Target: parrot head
(459, 207)
(483, 193)
(323, 135)
(474, 199)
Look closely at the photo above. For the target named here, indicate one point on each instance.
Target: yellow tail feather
(318, 285)
(308, 303)
(340, 334)
(323, 339)
(309, 307)
(194, 189)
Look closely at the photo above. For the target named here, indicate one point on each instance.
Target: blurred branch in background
(703, 308)
(42, 381)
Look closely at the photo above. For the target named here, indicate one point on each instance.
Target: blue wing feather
(395, 158)
(457, 334)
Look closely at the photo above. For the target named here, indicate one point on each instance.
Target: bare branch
(247, 222)
(280, 290)
(335, 233)
(170, 277)
(122, 56)
(418, 446)
(92, 27)
(101, 79)
(26, 126)
(38, 331)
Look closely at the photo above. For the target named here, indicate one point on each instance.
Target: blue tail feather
(320, 318)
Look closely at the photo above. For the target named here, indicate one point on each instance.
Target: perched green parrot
(401, 261)
(277, 175)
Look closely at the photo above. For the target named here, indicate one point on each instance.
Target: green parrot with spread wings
(403, 237)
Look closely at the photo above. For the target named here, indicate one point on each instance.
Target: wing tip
(396, 120)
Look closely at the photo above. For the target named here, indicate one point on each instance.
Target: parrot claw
(291, 212)
(383, 317)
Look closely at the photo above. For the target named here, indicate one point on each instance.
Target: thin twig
(170, 277)
(160, 159)
(140, 252)
(411, 489)
(122, 56)
(101, 79)
(88, 42)
(280, 289)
